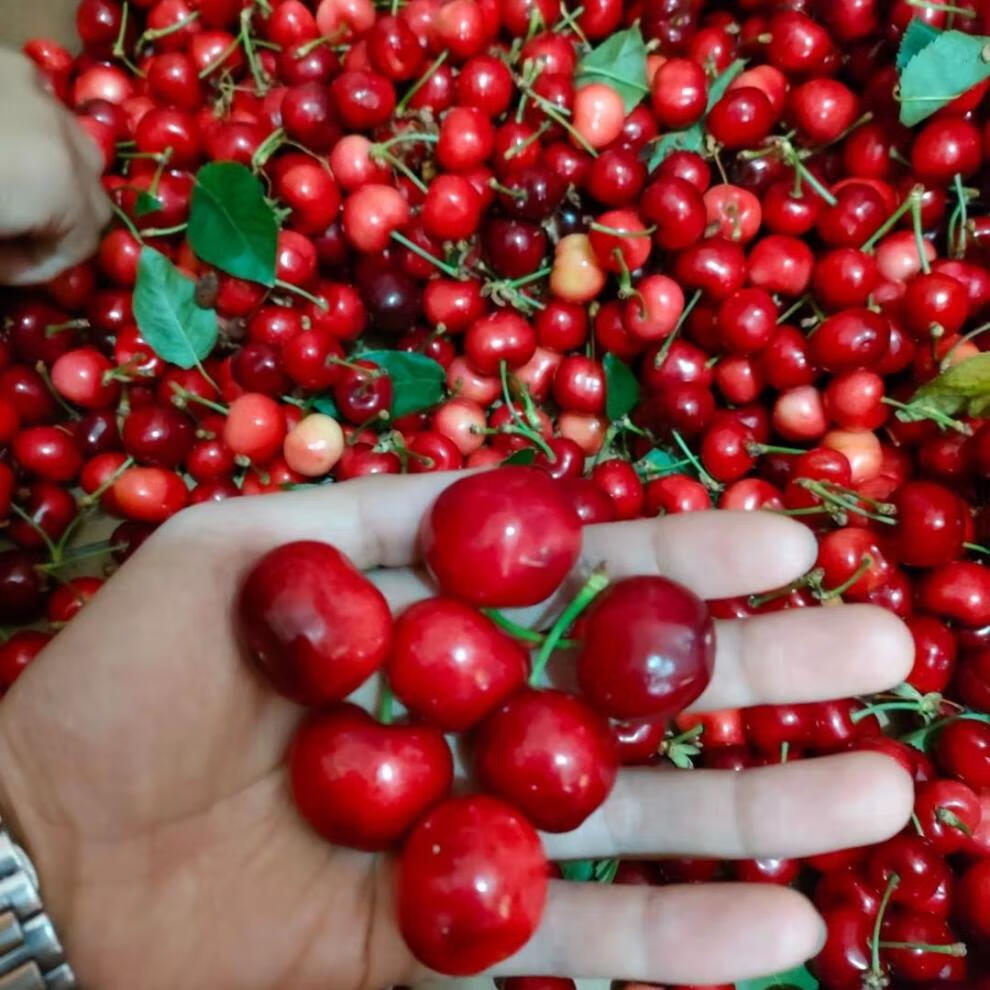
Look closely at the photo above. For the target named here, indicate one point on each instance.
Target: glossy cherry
(472, 883)
(549, 754)
(648, 649)
(312, 622)
(362, 784)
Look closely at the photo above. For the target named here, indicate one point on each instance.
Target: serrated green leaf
(962, 389)
(524, 456)
(417, 380)
(917, 35)
(231, 225)
(693, 137)
(166, 313)
(620, 63)
(944, 69)
(621, 388)
(580, 870)
(325, 404)
(800, 978)
(145, 203)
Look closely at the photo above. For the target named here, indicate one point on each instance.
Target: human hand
(52, 206)
(142, 765)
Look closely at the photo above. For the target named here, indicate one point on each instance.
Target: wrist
(32, 956)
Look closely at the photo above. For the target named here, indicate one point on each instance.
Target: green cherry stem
(421, 82)
(385, 703)
(521, 632)
(595, 584)
(448, 270)
(875, 970)
(837, 592)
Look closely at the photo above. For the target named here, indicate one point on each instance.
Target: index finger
(375, 522)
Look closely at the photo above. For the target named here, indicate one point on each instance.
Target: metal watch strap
(31, 956)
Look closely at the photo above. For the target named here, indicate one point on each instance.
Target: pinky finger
(711, 933)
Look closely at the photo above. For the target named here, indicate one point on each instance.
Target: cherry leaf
(620, 63)
(525, 455)
(942, 70)
(166, 313)
(693, 138)
(621, 388)
(326, 405)
(799, 978)
(962, 389)
(145, 203)
(417, 381)
(917, 35)
(231, 224)
(579, 870)
(656, 463)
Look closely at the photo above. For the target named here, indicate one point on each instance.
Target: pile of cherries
(473, 876)
(698, 285)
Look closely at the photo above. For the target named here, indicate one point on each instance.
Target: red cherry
(930, 524)
(846, 957)
(471, 886)
(915, 863)
(18, 651)
(549, 755)
(958, 590)
(648, 649)
(962, 749)
(362, 784)
(451, 665)
(527, 544)
(973, 898)
(949, 812)
(917, 964)
(312, 622)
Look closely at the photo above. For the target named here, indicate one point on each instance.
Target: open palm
(142, 766)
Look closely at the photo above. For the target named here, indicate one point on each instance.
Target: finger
(712, 933)
(374, 520)
(717, 554)
(786, 810)
(807, 655)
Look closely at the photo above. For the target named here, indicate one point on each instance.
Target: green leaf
(146, 203)
(417, 381)
(917, 35)
(963, 389)
(693, 138)
(231, 225)
(605, 870)
(656, 463)
(524, 456)
(620, 63)
(325, 404)
(581, 870)
(799, 978)
(621, 388)
(166, 313)
(721, 83)
(944, 69)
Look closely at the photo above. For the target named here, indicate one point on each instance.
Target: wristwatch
(31, 956)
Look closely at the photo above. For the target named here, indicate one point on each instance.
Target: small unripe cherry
(370, 214)
(862, 450)
(799, 415)
(576, 275)
(254, 427)
(463, 422)
(585, 429)
(598, 114)
(314, 445)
